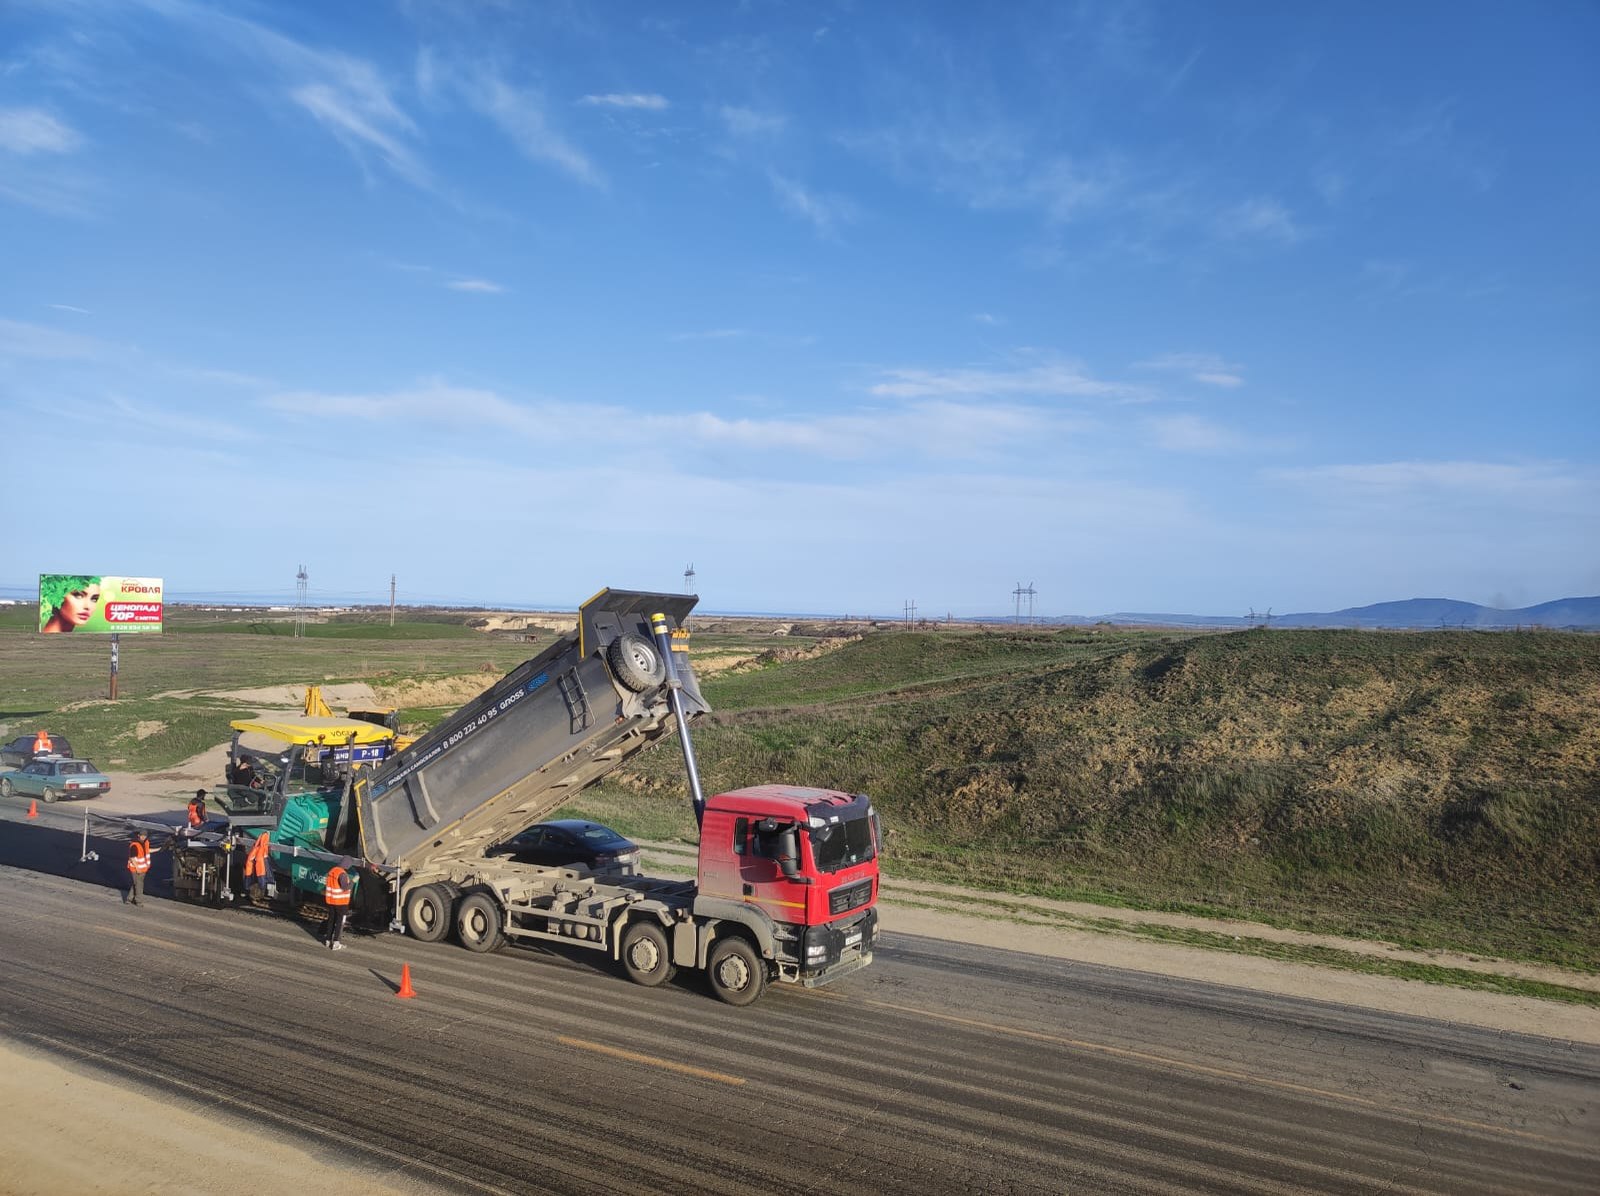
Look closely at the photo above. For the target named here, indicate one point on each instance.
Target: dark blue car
(568, 842)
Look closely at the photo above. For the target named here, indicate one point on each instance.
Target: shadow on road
(46, 847)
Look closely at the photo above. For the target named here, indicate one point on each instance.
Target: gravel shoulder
(70, 1129)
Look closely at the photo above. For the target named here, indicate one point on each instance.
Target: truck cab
(798, 865)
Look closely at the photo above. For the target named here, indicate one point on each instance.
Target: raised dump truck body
(551, 726)
(787, 879)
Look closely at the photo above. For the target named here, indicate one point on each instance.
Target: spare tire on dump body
(635, 662)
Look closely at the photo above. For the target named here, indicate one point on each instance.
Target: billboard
(86, 602)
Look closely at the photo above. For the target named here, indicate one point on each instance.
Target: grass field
(1438, 790)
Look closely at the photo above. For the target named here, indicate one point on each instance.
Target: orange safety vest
(42, 744)
(138, 856)
(337, 886)
(255, 864)
(195, 817)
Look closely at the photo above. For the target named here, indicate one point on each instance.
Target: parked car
(20, 750)
(50, 777)
(567, 842)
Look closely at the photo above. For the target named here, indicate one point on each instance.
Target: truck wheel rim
(644, 956)
(733, 974)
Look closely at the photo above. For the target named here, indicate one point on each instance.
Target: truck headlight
(817, 951)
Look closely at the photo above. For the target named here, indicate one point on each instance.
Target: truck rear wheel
(478, 923)
(636, 662)
(428, 913)
(645, 956)
(738, 973)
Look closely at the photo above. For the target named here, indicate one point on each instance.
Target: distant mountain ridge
(1413, 614)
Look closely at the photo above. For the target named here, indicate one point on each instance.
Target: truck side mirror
(789, 852)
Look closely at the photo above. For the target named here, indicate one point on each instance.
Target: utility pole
(300, 579)
(391, 600)
(688, 579)
(911, 613)
(1017, 595)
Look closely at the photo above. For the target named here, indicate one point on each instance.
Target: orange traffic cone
(405, 982)
(33, 809)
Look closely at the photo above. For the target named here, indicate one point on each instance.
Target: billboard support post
(114, 638)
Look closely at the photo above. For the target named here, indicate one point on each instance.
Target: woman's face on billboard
(78, 605)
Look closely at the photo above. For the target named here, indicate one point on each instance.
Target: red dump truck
(787, 882)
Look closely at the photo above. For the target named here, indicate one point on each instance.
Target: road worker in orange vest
(42, 745)
(138, 865)
(255, 866)
(337, 888)
(197, 811)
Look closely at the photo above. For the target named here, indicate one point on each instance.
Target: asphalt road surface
(942, 1068)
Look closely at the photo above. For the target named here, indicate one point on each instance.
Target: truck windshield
(842, 844)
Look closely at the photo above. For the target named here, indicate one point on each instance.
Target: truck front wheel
(428, 913)
(478, 923)
(738, 973)
(645, 956)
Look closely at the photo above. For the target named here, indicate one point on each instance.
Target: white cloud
(18, 339)
(521, 115)
(939, 429)
(747, 122)
(433, 401)
(53, 193)
(824, 212)
(1199, 367)
(426, 73)
(481, 286)
(364, 117)
(1055, 379)
(348, 96)
(81, 311)
(1261, 218)
(221, 377)
(710, 334)
(33, 131)
(1189, 434)
(651, 103)
(1452, 488)
(1391, 480)
(983, 317)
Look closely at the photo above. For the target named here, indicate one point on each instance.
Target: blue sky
(1181, 307)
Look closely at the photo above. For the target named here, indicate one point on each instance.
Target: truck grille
(849, 897)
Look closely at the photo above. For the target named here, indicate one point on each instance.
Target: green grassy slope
(1440, 788)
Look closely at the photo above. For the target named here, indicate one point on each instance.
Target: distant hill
(1415, 614)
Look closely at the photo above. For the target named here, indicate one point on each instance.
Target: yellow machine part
(317, 729)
